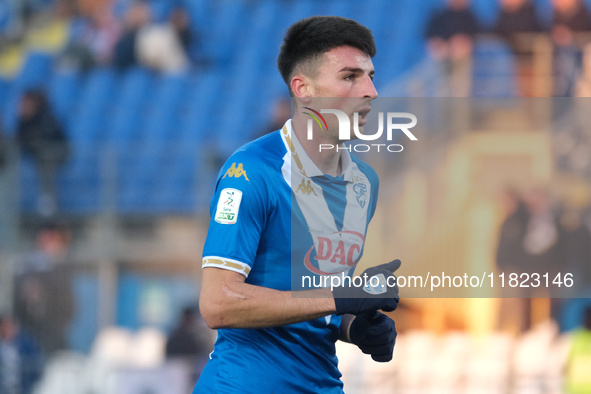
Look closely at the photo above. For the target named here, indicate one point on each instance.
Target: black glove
(356, 300)
(375, 334)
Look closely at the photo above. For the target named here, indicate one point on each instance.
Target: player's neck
(327, 160)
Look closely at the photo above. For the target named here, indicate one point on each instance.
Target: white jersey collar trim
(302, 161)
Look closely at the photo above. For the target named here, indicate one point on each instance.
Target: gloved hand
(375, 334)
(356, 300)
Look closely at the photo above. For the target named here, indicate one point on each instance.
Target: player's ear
(300, 86)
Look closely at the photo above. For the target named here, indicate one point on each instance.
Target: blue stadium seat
(486, 12)
(36, 71)
(219, 43)
(29, 186)
(199, 14)
(494, 73)
(206, 114)
(7, 16)
(544, 10)
(161, 121)
(89, 121)
(128, 106)
(160, 10)
(198, 115)
(5, 90)
(63, 94)
(80, 184)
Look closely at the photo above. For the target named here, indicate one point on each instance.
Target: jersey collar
(302, 162)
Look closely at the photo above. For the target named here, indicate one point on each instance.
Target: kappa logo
(236, 172)
(306, 188)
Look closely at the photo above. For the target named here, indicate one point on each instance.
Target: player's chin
(360, 131)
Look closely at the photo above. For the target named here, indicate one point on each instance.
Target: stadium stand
(146, 115)
(150, 144)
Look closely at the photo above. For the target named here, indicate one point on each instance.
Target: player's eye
(349, 77)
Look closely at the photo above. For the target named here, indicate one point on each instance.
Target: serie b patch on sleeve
(228, 206)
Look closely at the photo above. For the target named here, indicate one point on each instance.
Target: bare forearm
(240, 305)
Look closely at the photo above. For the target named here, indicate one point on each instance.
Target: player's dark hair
(313, 36)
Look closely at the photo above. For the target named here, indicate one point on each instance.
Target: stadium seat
(133, 94)
(494, 73)
(124, 112)
(63, 94)
(89, 120)
(29, 186)
(35, 72)
(160, 10)
(219, 43)
(80, 183)
(161, 120)
(7, 17)
(5, 90)
(137, 171)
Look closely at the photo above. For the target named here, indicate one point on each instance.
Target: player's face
(344, 72)
(345, 75)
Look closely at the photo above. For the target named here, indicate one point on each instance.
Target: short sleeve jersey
(276, 218)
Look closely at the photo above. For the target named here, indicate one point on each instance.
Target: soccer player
(283, 209)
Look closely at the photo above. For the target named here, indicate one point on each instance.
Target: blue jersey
(276, 219)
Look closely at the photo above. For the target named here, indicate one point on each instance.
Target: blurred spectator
(20, 359)
(187, 339)
(569, 17)
(541, 238)
(190, 341)
(516, 16)
(137, 16)
(179, 20)
(44, 300)
(542, 245)
(42, 139)
(3, 148)
(514, 312)
(32, 8)
(280, 114)
(160, 47)
(92, 40)
(578, 376)
(450, 32)
(510, 249)
(575, 246)
(583, 86)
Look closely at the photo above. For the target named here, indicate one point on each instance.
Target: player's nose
(369, 89)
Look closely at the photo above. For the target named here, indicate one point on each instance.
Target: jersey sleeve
(238, 215)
